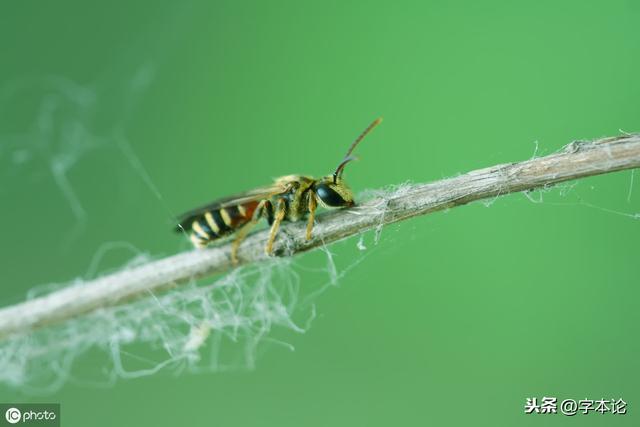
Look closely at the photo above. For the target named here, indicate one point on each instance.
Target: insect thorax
(297, 195)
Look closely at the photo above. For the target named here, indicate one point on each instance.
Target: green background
(452, 319)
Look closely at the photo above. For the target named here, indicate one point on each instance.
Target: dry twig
(577, 160)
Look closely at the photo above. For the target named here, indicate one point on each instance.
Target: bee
(289, 198)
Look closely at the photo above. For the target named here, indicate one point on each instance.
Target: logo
(13, 415)
(30, 414)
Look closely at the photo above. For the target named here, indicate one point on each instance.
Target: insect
(289, 198)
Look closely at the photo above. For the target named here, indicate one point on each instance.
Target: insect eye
(329, 196)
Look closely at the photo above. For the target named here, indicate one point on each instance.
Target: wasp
(289, 198)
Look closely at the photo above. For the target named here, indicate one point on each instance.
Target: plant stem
(576, 160)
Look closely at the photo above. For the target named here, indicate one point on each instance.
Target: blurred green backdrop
(452, 319)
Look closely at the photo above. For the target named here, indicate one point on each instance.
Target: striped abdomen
(218, 222)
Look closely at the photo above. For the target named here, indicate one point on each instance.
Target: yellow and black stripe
(208, 225)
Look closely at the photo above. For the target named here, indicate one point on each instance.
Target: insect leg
(281, 211)
(263, 206)
(313, 204)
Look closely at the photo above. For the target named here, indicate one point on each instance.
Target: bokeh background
(451, 319)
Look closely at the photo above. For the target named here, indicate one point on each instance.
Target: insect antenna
(348, 157)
